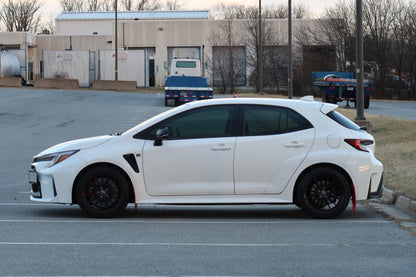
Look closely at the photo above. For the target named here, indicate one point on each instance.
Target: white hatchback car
(223, 151)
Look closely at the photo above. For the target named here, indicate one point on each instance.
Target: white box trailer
(132, 66)
(67, 65)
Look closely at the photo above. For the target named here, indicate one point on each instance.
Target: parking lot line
(191, 221)
(202, 244)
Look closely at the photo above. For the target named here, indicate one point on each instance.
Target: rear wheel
(102, 192)
(323, 193)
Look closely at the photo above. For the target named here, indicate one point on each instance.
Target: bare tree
(274, 64)
(21, 15)
(281, 11)
(7, 14)
(174, 5)
(399, 48)
(93, 5)
(337, 27)
(238, 11)
(72, 5)
(230, 11)
(378, 17)
(148, 5)
(411, 41)
(228, 58)
(127, 5)
(47, 26)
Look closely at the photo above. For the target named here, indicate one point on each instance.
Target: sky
(52, 8)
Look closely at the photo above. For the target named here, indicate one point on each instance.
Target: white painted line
(206, 244)
(29, 204)
(191, 221)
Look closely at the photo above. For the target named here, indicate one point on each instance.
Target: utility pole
(260, 55)
(116, 43)
(289, 68)
(359, 71)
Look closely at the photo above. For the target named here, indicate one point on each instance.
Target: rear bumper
(378, 193)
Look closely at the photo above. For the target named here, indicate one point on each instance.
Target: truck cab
(185, 67)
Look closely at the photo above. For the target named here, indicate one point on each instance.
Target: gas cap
(334, 141)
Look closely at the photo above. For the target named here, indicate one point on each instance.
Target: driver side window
(206, 122)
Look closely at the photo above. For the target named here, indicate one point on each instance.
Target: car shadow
(212, 212)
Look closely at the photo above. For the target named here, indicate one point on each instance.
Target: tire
(323, 193)
(102, 192)
(331, 99)
(366, 102)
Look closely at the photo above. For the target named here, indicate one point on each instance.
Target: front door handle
(221, 147)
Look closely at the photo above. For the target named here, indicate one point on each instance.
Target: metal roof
(137, 15)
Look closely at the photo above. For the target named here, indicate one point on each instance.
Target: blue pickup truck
(339, 86)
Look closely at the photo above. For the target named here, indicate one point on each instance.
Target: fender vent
(132, 162)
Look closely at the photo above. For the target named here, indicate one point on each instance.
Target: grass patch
(396, 149)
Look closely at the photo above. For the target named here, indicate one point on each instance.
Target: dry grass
(396, 149)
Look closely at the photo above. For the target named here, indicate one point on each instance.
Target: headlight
(54, 158)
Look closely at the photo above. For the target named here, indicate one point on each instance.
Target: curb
(401, 202)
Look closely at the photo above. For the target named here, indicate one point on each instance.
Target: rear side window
(269, 120)
(342, 120)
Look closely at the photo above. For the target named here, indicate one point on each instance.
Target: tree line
(389, 38)
(25, 16)
(389, 44)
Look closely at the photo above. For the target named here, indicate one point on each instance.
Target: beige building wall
(139, 34)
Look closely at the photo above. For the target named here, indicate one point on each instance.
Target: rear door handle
(295, 144)
(221, 147)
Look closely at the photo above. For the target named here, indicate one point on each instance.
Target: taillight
(359, 144)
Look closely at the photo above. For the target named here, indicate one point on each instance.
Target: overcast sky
(53, 8)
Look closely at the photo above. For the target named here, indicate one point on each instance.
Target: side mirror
(161, 134)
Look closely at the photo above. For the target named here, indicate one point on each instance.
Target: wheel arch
(321, 165)
(82, 172)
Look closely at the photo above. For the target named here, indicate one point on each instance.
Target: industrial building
(84, 45)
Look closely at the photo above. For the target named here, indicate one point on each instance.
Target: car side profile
(222, 151)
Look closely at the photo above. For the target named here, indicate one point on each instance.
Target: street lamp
(359, 71)
(289, 68)
(260, 55)
(116, 43)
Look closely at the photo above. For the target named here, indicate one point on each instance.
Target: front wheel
(323, 193)
(102, 192)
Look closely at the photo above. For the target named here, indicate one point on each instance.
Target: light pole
(359, 71)
(260, 55)
(289, 68)
(116, 43)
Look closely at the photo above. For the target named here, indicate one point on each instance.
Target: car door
(196, 157)
(275, 141)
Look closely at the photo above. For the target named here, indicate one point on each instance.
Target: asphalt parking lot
(257, 240)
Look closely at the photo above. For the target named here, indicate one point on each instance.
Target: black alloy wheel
(102, 192)
(323, 193)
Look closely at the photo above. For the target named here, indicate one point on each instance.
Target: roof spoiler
(307, 98)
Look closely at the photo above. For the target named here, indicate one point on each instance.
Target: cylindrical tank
(10, 65)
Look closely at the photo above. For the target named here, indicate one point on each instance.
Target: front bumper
(43, 186)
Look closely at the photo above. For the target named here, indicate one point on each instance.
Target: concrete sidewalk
(399, 209)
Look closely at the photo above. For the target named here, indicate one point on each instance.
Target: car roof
(292, 103)
(306, 106)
